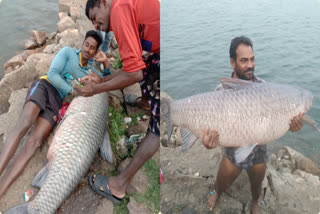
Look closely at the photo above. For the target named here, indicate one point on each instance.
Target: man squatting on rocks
(136, 26)
(43, 101)
(242, 62)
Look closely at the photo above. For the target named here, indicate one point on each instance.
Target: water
(195, 40)
(17, 18)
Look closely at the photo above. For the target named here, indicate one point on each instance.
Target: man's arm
(118, 81)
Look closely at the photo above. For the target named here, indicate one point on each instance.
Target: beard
(244, 74)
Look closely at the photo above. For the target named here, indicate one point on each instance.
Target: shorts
(258, 155)
(47, 98)
(150, 86)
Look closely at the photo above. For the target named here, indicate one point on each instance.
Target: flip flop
(103, 181)
(132, 100)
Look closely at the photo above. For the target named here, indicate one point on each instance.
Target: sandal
(103, 181)
(134, 100)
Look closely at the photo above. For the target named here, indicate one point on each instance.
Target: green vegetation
(117, 129)
(117, 62)
(152, 196)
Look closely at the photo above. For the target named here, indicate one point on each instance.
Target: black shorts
(47, 98)
(258, 155)
(150, 86)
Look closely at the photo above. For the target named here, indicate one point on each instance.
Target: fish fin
(165, 109)
(243, 152)
(232, 83)
(20, 209)
(41, 177)
(188, 139)
(105, 148)
(306, 118)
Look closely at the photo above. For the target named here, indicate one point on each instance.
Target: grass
(151, 197)
(117, 62)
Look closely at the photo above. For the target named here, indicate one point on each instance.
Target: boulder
(84, 25)
(70, 37)
(8, 120)
(64, 6)
(39, 37)
(65, 23)
(62, 15)
(139, 183)
(135, 207)
(30, 44)
(75, 12)
(44, 64)
(52, 49)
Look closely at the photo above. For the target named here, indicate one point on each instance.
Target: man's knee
(32, 144)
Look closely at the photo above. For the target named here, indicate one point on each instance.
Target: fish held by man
(73, 148)
(244, 113)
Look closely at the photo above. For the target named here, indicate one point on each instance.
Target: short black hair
(235, 42)
(91, 4)
(94, 34)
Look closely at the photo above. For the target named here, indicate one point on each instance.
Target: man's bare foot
(255, 208)
(213, 200)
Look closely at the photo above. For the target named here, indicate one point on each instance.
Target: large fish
(244, 113)
(73, 148)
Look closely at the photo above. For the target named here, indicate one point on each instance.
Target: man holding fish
(243, 64)
(136, 26)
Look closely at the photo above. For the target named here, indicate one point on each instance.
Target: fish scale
(73, 147)
(246, 113)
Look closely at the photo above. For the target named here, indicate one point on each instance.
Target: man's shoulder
(259, 80)
(256, 79)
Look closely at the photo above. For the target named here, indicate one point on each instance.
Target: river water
(17, 18)
(195, 40)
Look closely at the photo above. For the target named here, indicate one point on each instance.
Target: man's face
(244, 64)
(89, 48)
(99, 17)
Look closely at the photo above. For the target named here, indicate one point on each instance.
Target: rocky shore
(291, 184)
(21, 70)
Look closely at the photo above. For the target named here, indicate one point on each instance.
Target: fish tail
(105, 148)
(41, 177)
(188, 139)
(165, 109)
(306, 118)
(20, 209)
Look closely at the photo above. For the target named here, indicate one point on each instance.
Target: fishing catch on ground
(73, 148)
(245, 113)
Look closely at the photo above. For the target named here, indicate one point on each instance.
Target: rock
(30, 44)
(70, 37)
(62, 15)
(75, 12)
(65, 23)
(135, 207)
(296, 161)
(122, 147)
(139, 183)
(8, 120)
(84, 25)
(17, 60)
(105, 206)
(114, 101)
(44, 64)
(39, 37)
(52, 49)
(64, 6)
(140, 127)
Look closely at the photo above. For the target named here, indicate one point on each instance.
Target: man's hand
(210, 138)
(296, 123)
(100, 57)
(91, 78)
(86, 91)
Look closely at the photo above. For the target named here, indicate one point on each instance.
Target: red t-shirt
(136, 26)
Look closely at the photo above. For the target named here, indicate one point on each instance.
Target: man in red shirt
(136, 26)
